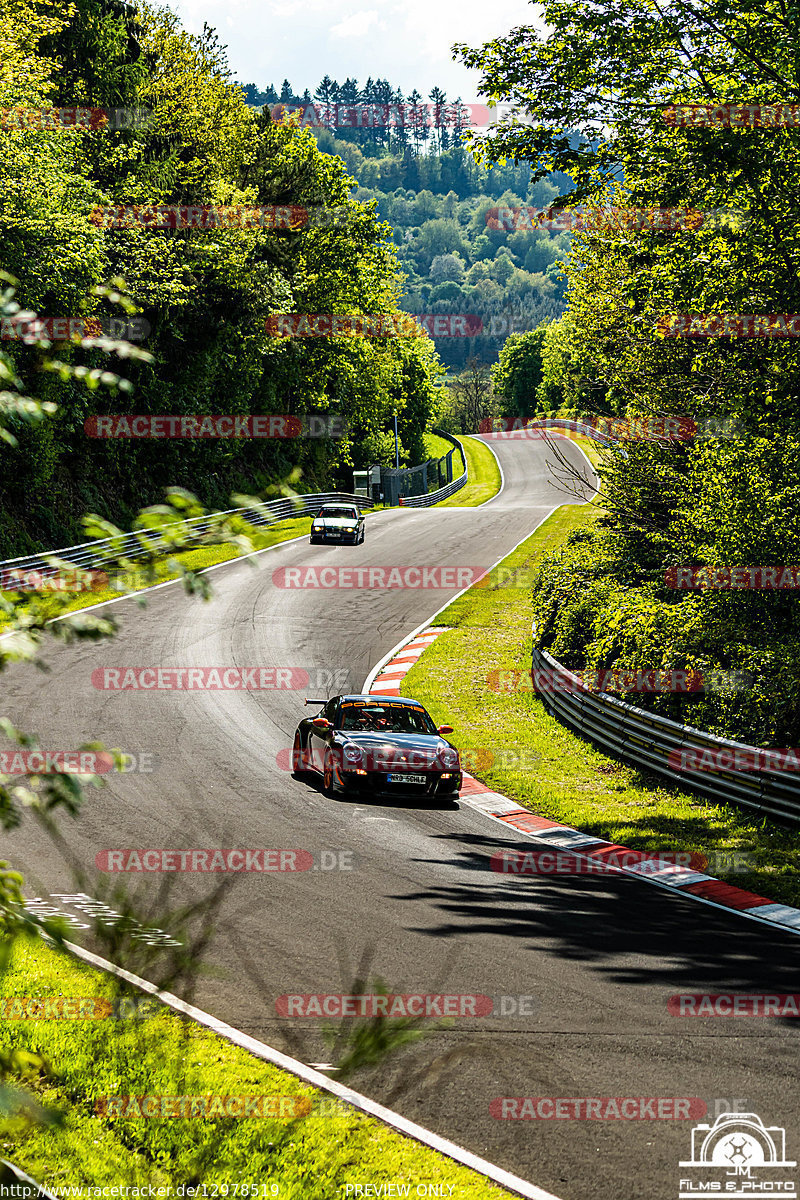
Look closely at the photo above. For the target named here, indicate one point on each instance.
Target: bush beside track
(572, 782)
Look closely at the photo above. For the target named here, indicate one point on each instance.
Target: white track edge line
(549, 433)
(666, 887)
(167, 582)
(376, 670)
(631, 875)
(499, 492)
(261, 1050)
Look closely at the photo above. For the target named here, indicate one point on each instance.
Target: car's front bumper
(375, 783)
(335, 535)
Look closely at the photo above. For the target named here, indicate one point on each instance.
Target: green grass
(590, 448)
(438, 447)
(195, 560)
(305, 1159)
(484, 476)
(566, 778)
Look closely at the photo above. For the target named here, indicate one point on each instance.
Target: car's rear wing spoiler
(309, 700)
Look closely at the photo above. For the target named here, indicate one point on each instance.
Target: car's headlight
(353, 755)
(317, 529)
(448, 758)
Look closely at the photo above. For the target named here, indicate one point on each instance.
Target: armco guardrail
(580, 429)
(562, 424)
(143, 541)
(646, 740)
(449, 489)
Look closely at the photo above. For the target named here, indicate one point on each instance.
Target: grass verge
(570, 780)
(438, 447)
(590, 448)
(484, 476)
(307, 1158)
(195, 560)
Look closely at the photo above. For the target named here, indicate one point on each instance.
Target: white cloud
(355, 26)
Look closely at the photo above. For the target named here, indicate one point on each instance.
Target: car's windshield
(338, 512)
(383, 718)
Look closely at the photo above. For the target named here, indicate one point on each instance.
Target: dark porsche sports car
(380, 745)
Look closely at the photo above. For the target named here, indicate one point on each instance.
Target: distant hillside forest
(436, 203)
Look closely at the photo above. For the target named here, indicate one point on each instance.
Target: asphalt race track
(599, 956)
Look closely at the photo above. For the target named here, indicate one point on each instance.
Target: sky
(406, 42)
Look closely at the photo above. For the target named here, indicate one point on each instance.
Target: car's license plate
(407, 779)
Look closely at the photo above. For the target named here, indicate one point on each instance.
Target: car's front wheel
(328, 774)
(298, 764)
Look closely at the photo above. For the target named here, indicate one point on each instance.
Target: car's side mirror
(443, 729)
(321, 724)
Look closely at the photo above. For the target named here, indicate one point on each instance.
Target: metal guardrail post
(450, 488)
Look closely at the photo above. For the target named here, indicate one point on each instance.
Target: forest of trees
(605, 599)
(414, 121)
(205, 294)
(436, 197)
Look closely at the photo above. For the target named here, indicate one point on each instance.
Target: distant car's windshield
(337, 512)
(362, 717)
